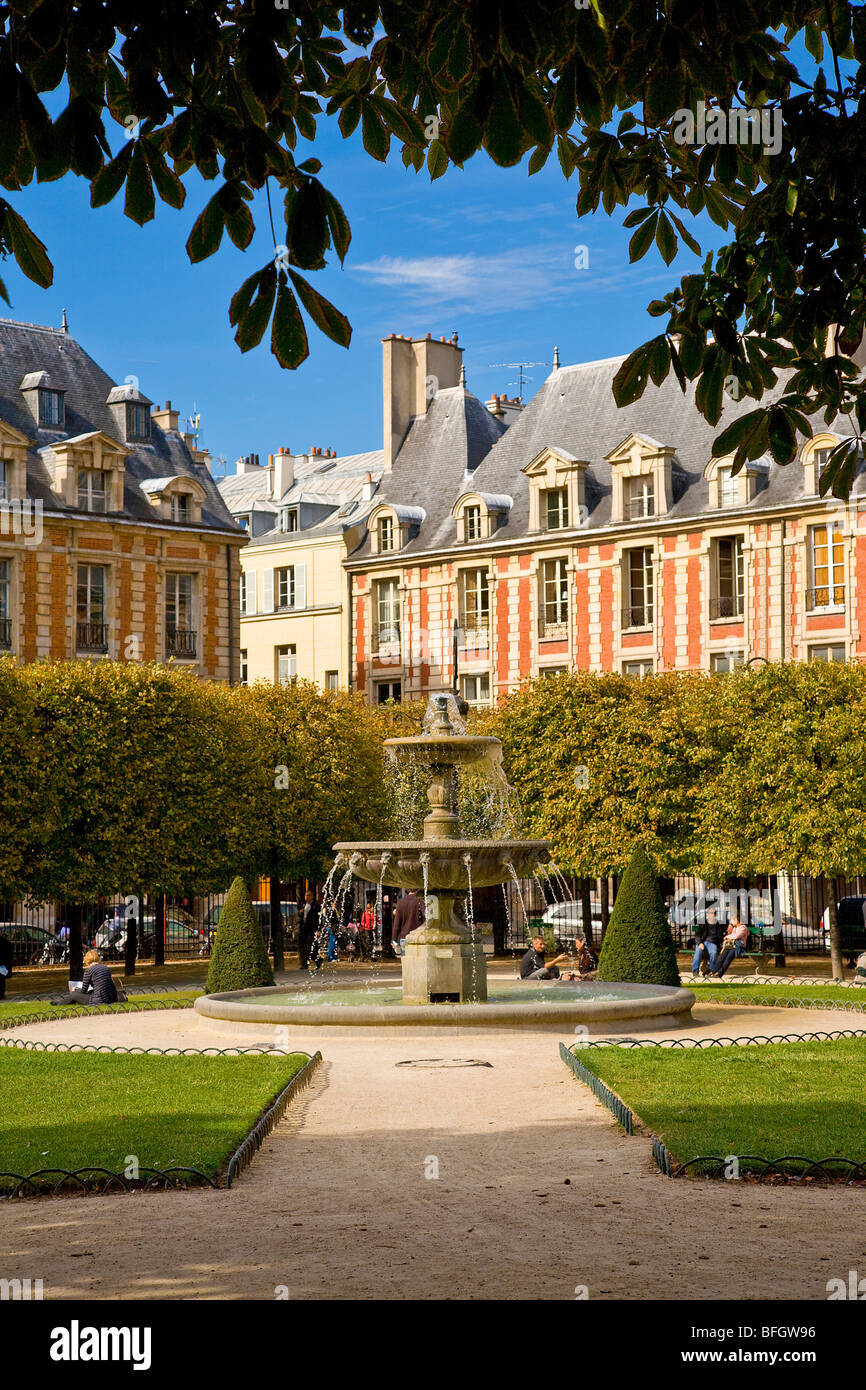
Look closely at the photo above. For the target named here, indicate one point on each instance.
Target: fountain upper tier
(401, 863)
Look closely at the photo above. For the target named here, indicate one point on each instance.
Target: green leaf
(288, 335)
(251, 307)
(464, 133)
(165, 180)
(743, 432)
(140, 203)
(503, 134)
(643, 238)
(338, 223)
(375, 136)
(437, 160)
(630, 381)
(25, 246)
(110, 179)
(665, 239)
(325, 316)
(207, 231)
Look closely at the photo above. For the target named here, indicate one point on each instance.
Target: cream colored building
(301, 512)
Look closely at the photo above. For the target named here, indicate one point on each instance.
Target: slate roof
(27, 349)
(437, 461)
(325, 482)
(575, 413)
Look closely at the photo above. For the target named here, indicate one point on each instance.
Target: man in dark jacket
(708, 940)
(408, 915)
(5, 962)
(307, 928)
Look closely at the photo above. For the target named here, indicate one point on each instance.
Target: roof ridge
(40, 327)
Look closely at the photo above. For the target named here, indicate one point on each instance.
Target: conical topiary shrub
(239, 959)
(638, 946)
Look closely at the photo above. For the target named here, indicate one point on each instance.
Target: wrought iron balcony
(727, 606)
(552, 627)
(475, 634)
(637, 615)
(180, 641)
(91, 637)
(5, 633)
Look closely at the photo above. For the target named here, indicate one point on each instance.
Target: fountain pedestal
(442, 964)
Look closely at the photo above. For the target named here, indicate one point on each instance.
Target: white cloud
(521, 278)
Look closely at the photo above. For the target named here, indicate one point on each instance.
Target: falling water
(379, 904)
(516, 881)
(470, 917)
(425, 869)
(569, 896)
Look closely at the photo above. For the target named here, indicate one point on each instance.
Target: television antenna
(193, 424)
(520, 368)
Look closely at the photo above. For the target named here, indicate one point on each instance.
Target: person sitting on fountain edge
(408, 915)
(533, 966)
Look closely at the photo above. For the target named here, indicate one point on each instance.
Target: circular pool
(552, 1004)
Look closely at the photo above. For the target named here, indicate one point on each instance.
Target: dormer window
(288, 519)
(729, 487)
(181, 507)
(479, 514)
(92, 490)
(472, 523)
(51, 409)
(556, 508)
(44, 399)
(641, 497)
(386, 534)
(137, 423)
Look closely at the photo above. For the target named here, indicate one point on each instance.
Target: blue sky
(489, 252)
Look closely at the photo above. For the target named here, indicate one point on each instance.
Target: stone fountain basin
(446, 870)
(446, 749)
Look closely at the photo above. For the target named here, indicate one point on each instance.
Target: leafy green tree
(227, 89)
(239, 959)
(151, 784)
(24, 793)
(638, 946)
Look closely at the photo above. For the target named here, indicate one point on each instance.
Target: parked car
(182, 936)
(289, 912)
(851, 914)
(28, 942)
(566, 919)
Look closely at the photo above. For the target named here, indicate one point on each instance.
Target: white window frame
(476, 687)
(834, 566)
(88, 489)
(735, 581)
(561, 511)
(644, 662)
(286, 663)
(646, 587)
(553, 597)
(641, 497)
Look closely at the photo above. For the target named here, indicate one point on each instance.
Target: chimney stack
(167, 419)
(283, 475)
(413, 371)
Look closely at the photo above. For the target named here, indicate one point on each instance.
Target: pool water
(337, 997)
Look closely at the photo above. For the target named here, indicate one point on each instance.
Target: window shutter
(300, 586)
(267, 591)
(251, 591)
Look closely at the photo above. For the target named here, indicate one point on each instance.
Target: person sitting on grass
(97, 986)
(733, 945)
(586, 961)
(860, 970)
(533, 966)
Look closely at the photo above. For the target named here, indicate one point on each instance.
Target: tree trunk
(159, 931)
(586, 910)
(837, 969)
(276, 905)
(605, 904)
(74, 916)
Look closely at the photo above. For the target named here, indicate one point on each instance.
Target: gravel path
(538, 1191)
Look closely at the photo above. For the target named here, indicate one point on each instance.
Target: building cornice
(576, 535)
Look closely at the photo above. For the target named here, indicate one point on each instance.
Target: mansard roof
(574, 414)
(49, 356)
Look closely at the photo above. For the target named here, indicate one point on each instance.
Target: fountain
(443, 963)
(444, 969)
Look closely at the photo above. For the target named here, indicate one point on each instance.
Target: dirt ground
(431, 1181)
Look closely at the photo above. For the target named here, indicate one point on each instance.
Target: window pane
(557, 508)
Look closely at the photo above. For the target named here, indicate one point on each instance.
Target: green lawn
(771, 1101)
(77, 1110)
(24, 1008)
(743, 992)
